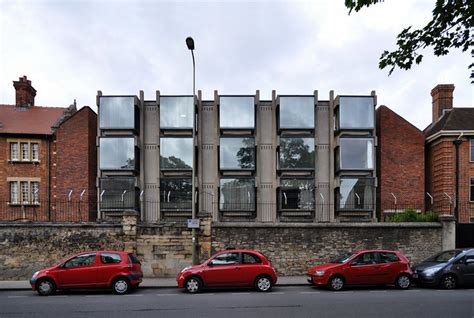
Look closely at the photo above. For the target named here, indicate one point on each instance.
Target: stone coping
(64, 225)
(327, 225)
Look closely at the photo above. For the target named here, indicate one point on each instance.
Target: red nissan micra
(120, 271)
(368, 267)
(230, 268)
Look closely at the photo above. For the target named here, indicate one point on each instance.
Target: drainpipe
(457, 143)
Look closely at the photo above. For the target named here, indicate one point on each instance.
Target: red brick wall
(441, 174)
(76, 161)
(400, 163)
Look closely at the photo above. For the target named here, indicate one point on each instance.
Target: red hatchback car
(120, 271)
(230, 268)
(369, 267)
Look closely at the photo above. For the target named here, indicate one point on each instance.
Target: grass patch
(410, 215)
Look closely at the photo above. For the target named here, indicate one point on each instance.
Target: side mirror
(210, 264)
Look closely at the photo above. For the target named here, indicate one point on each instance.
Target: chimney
(442, 96)
(25, 93)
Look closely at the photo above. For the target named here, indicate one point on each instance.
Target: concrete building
(288, 159)
(450, 156)
(45, 156)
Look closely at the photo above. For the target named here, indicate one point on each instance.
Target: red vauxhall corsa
(369, 267)
(120, 271)
(230, 268)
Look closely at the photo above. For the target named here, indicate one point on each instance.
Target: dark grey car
(447, 269)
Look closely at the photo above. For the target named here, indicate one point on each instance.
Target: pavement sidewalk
(154, 283)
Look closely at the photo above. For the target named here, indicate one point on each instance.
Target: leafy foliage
(410, 215)
(451, 27)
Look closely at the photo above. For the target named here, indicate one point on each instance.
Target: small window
(386, 257)
(25, 192)
(34, 192)
(34, 151)
(226, 259)
(25, 155)
(14, 151)
(248, 258)
(14, 196)
(110, 258)
(81, 260)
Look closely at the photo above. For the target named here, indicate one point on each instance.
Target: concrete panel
(151, 128)
(266, 204)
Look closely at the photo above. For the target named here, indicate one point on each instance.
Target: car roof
(102, 251)
(239, 251)
(375, 251)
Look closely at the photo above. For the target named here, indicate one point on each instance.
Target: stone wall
(292, 248)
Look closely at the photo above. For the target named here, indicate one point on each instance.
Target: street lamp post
(190, 45)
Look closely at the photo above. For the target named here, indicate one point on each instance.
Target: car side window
(81, 260)
(110, 258)
(248, 258)
(386, 257)
(365, 259)
(226, 259)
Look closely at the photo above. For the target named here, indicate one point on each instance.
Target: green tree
(451, 27)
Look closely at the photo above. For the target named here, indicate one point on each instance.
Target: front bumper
(420, 279)
(316, 280)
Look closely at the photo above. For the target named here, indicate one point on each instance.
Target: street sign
(193, 223)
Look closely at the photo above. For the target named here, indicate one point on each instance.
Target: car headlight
(35, 275)
(319, 273)
(431, 271)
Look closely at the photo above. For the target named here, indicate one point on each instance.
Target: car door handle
(237, 268)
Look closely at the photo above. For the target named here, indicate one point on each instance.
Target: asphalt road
(281, 302)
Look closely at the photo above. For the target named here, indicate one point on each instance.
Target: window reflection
(296, 153)
(356, 112)
(117, 153)
(176, 194)
(237, 112)
(296, 194)
(356, 193)
(118, 193)
(117, 112)
(176, 112)
(296, 112)
(237, 153)
(237, 194)
(176, 153)
(356, 153)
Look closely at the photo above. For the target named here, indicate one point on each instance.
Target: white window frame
(22, 191)
(14, 153)
(24, 151)
(34, 152)
(14, 195)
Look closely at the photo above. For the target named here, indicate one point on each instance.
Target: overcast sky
(71, 49)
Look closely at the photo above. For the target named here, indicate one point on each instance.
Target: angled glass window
(237, 194)
(355, 194)
(296, 194)
(176, 112)
(237, 112)
(117, 153)
(356, 154)
(237, 153)
(117, 112)
(296, 112)
(176, 153)
(356, 112)
(175, 194)
(296, 153)
(118, 193)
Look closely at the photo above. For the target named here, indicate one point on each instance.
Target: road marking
(377, 291)
(18, 296)
(240, 293)
(203, 294)
(310, 293)
(413, 291)
(94, 296)
(163, 295)
(61, 296)
(276, 293)
(137, 295)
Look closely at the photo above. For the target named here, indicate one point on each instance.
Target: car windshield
(342, 258)
(444, 256)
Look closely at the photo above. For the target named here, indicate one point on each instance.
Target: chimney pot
(442, 99)
(24, 92)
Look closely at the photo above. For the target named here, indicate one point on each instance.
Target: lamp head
(190, 43)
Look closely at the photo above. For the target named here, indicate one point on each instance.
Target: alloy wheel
(403, 282)
(193, 285)
(336, 283)
(264, 284)
(45, 287)
(121, 286)
(448, 282)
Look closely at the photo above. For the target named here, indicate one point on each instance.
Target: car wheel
(336, 283)
(120, 286)
(193, 285)
(263, 283)
(45, 287)
(403, 282)
(448, 282)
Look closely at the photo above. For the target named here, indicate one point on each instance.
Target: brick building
(47, 159)
(450, 156)
(400, 164)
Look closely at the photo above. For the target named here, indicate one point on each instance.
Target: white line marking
(61, 296)
(310, 293)
(377, 291)
(203, 294)
(18, 296)
(413, 291)
(163, 295)
(94, 296)
(240, 293)
(139, 295)
(276, 293)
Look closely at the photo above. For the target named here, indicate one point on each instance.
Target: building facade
(288, 159)
(45, 157)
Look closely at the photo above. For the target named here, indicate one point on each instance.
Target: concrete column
(448, 231)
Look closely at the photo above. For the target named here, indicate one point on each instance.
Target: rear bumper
(135, 278)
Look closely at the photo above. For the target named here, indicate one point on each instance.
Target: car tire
(403, 281)
(336, 283)
(121, 286)
(193, 285)
(448, 282)
(45, 287)
(263, 283)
